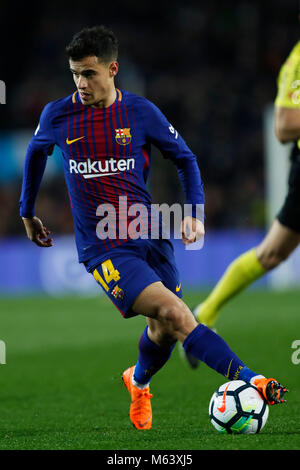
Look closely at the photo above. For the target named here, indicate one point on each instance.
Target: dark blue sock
(210, 348)
(247, 374)
(151, 359)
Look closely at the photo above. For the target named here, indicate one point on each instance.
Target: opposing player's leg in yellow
(277, 245)
(242, 272)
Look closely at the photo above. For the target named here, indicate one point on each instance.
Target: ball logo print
(2, 352)
(2, 92)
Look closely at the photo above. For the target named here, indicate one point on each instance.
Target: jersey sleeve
(43, 139)
(288, 81)
(41, 145)
(162, 134)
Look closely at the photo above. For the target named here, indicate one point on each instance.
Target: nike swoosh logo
(69, 142)
(222, 408)
(142, 425)
(178, 288)
(227, 375)
(86, 177)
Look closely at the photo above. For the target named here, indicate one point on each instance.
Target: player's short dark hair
(96, 41)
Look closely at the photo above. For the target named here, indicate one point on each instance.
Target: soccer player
(105, 136)
(284, 234)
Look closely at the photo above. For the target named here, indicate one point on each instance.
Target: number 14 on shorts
(109, 274)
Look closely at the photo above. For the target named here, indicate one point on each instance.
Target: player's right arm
(40, 146)
(287, 102)
(161, 133)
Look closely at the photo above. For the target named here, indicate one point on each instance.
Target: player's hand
(191, 230)
(37, 232)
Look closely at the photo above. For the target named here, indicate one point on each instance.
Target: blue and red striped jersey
(106, 155)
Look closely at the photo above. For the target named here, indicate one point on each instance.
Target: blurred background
(210, 67)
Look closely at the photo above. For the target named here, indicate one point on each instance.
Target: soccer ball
(237, 407)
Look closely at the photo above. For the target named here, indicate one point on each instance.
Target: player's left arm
(167, 139)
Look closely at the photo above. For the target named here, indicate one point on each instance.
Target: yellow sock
(243, 271)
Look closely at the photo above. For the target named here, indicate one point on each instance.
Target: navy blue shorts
(126, 271)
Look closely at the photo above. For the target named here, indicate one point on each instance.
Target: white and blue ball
(237, 407)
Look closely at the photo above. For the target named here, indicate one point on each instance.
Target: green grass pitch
(61, 385)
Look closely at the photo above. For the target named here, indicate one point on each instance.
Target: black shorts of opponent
(289, 214)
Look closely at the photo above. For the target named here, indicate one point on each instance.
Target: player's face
(94, 80)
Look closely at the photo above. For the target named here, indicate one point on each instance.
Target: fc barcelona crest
(118, 293)
(123, 136)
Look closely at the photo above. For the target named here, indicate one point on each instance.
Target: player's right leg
(169, 320)
(136, 289)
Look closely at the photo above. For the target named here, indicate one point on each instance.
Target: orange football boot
(271, 390)
(140, 411)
